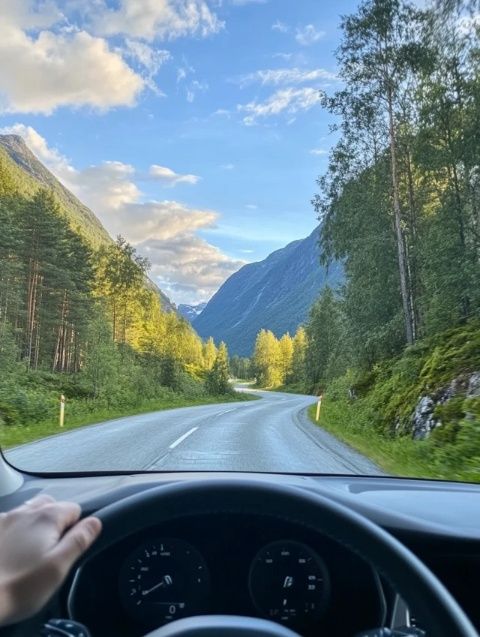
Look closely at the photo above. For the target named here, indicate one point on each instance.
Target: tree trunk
(397, 213)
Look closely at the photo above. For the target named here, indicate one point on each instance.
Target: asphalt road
(271, 434)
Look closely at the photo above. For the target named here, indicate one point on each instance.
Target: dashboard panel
(439, 521)
(227, 564)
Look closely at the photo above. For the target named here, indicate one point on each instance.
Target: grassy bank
(13, 435)
(372, 411)
(397, 456)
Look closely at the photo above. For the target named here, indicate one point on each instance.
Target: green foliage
(78, 315)
(276, 362)
(218, 378)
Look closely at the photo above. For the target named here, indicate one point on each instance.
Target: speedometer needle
(166, 581)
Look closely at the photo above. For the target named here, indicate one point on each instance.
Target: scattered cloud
(48, 69)
(149, 58)
(222, 112)
(241, 3)
(319, 151)
(289, 101)
(251, 206)
(308, 35)
(194, 88)
(277, 77)
(184, 264)
(187, 267)
(170, 177)
(150, 19)
(227, 166)
(281, 27)
(283, 56)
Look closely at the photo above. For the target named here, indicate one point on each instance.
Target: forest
(84, 321)
(399, 207)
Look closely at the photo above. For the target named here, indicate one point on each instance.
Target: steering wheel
(440, 613)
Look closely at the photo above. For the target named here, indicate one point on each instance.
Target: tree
(120, 274)
(218, 378)
(380, 47)
(209, 353)
(267, 360)
(297, 372)
(324, 332)
(286, 356)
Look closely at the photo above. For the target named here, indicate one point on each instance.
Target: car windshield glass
(240, 235)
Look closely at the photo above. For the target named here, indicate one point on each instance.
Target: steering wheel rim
(441, 614)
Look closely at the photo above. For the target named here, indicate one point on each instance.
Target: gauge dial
(289, 582)
(164, 580)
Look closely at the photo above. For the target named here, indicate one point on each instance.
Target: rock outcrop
(423, 418)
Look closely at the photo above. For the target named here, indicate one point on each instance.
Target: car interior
(264, 554)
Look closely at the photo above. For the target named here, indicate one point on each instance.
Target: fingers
(75, 542)
(65, 514)
(38, 501)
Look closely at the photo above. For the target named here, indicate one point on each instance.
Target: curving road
(271, 434)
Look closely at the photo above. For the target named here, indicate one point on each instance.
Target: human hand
(39, 543)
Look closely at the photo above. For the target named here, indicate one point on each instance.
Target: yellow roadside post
(62, 409)
(319, 404)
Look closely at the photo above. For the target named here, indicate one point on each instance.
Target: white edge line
(182, 438)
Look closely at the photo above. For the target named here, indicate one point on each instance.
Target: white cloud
(277, 77)
(283, 56)
(288, 100)
(319, 152)
(227, 166)
(281, 27)
(308, 35)
(183, 264)
(251, 206)
(47, 70)
(149, 58)
(194, 88)
(170, 177)
(150, 19)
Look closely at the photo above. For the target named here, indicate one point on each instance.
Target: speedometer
(164, 580)
(289, 582)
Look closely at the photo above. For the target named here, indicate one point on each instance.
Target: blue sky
(190, 126)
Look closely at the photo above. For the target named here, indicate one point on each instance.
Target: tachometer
(164, 580)
(289, 582)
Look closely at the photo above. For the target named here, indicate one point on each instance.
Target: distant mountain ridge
(191, 312)
(274, 294)
(30, 174)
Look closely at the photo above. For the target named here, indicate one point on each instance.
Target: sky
(191, 127)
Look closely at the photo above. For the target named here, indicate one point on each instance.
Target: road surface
(271, 434)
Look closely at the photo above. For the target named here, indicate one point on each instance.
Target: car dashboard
(227, 564)
(255, 565)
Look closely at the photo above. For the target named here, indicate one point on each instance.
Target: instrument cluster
(227, 564)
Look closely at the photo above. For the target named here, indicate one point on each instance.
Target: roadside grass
(396, 456)
(13, 435)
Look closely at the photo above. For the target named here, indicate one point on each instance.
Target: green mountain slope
(30, 173)
(26, 174)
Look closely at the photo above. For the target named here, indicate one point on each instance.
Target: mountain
(28, 174)
(275, 294)
(191, 312)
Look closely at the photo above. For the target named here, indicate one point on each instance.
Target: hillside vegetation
(79, 317)
(396, 349)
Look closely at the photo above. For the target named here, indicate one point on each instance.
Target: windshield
(240, 235)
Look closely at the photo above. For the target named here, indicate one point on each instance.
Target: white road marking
(182, 438)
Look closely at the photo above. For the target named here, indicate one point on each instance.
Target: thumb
(76, 542)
